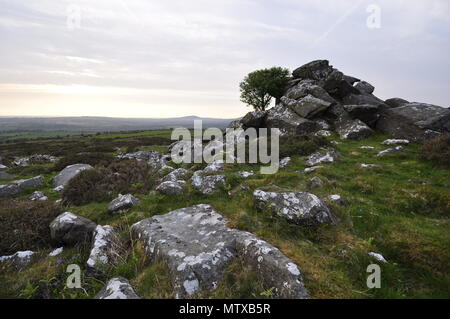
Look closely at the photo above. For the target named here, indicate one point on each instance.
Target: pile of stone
(320, 98)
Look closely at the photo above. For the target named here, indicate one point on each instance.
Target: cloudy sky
(165, 58)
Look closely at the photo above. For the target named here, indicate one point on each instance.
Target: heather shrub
(437, 150)
(24, 225)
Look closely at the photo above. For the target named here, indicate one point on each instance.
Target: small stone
(117, 288)
(395, 142)
(122, 203)
(170, 188)
(391, 151)
(56, 252)
(378, 257)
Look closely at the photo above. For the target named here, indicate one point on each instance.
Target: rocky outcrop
(415, 121)
(176, 175)
(197, 246)
(117, 288)
(123, 203)
(70, 229)
(64, 177)
(154, 159)
(296, 208)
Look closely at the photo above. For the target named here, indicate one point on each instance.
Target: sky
(171, 58)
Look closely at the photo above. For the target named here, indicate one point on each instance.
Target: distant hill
(101, 124)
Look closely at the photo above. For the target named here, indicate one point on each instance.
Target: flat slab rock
(297, 208)
(197, 246)
(68, 173)
(18, 186)
(117, 288)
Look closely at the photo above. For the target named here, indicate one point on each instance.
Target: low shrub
(24, 225)
(101, 184)
(437, 150)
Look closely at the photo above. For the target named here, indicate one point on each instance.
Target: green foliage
(437, 150)
(24, 225)
(260, 86)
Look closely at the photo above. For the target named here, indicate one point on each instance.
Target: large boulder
(122, 203)
(298, 208)
(396, 102)
(288, 122)
(358, 99)
(353, 129)
(197, 246)
(9, 190)
(254, 119)
(68, 173)
(104, 249)
(70, 229)
(117, 288)
(306, 107)
(314, 70)
(365, 87)
(307, 87)
(5, 175)
(415, 121)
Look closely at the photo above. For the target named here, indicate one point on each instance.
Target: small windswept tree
(260, 86)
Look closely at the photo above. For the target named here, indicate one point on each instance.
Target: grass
(400, 210)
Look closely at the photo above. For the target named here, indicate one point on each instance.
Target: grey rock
(396, 102)
(214, 167)
(70, 229)
(395, 142)
(3, 167)
(34, 182)
(117, 288)
(245, 174)
(38, 196)
(358, 99)
(391, 151)
(311, 169)
(350, 79)
(323, 133)
(370, 166)
(254, 119)
(19, 260)
(337, 199)
(378, 257)
(104, 249)
(307, 87)
(367, 147)
(9, 190)
(207, 185)
(197, 246)
(175, 175)
(307, 107)
(315, 70)
(315, 182)
(170, 188)
(56, 252)
(285, 162)
(123, 203)
(353, 130)
(415, 121)
(324, 156)
(154, 159)
(296, 208)
(64, 177)
(365, 87)
(288, 122)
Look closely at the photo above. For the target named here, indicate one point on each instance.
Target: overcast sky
(166, 58)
